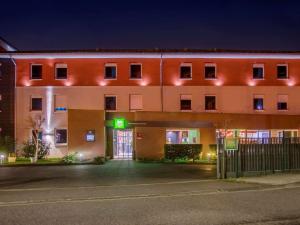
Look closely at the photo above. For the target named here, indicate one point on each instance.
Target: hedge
(180, 151)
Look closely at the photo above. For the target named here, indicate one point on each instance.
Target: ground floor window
(243, 133)
(182, 136)
(61, 136)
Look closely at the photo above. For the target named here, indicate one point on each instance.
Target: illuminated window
(258, 71)
(210, 102)
(210, 71)
(282, 71)
(36, 104)
(182, 136)
(135, 71)
(186, 71)
(61, 136)
(60, 103)
(185, 102)
(110, 102)
(258, 102)
(282, 103)
(136, 102)
(110, 71)
(36, 72)
(61, 71)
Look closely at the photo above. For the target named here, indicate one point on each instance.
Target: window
(60, 103)
(110, 71)
(282, 71)
(210, 71)
(185, 102)
(61, 71)
(61, 136)
(136, 102)
(282, 103)
(258, 102)
(37, 134)
(36, 72)
(183, 136)
(36, 104)
(135, 71)
(186, 71)
(210, 102)
(110, 103)
(258, 71)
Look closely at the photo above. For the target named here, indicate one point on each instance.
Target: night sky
(226, 24)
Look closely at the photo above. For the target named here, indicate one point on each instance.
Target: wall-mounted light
(251, 83)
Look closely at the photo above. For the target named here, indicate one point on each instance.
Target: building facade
(129, 104)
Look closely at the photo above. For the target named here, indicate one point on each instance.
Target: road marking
(136, 197)
(105, 186)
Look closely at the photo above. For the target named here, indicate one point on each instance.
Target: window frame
(211, 65)
(258, 65)
(287, 71)
(111, 110)
(61, 67)
(133, 110)
(110, 65)
(287, 104)
(181, 99)
(54, 104)
(263, 103)
(61, 144)
(36, 64)
(132, 64)
(186, 65)
(210, 95)
(30, 107)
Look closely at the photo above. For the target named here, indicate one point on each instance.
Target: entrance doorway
(122, 144)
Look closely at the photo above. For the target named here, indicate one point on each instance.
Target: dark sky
(89, 24)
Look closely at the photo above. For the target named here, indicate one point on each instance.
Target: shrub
(7, 144)
(29, 148)
(70, 158)
(182, 151)
(99, 160)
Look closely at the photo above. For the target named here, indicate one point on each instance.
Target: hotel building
(130, 103)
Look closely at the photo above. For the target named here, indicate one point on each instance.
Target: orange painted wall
(90, 72)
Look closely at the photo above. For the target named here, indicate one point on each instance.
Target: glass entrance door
(122, 143)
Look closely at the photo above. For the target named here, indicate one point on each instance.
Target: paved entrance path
(114, 172)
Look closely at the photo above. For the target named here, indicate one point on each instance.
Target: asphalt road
(130, 193)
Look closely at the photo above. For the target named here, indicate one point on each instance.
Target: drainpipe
(15, 98)
(161, 82)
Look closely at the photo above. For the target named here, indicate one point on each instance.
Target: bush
(29, 149)
(7, 145)
(99, 160)
(70, 158)
(182, 151)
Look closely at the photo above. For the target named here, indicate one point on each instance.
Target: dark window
(282, 72)
(258, 72)
(210, 72)
(110, 72)
(210, 102)
(36, 72)
(136, 71)
(110, 103)
(185, 72)
(61, 136)
(282, 105)
(258, 103)
(185, 104)
(36, 104)
(37, 133)
(61, 73)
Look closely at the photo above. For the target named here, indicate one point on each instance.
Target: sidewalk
(274, 179)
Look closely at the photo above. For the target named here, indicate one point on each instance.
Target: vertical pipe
(161, 82)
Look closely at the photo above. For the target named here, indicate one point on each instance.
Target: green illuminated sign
(119, 123)
(231, 144)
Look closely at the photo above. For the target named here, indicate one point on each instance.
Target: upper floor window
(110, 71)
(110, 102)
(185, 102)
(61, 71)
(36, 104)
(282, 102)
(258, 102)
(210, 71)
(258, 71)
(60, 103)
(136, 102)
(36, 71)
(210, 102)
(136, 71)
(186, 71)
(282, 71)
